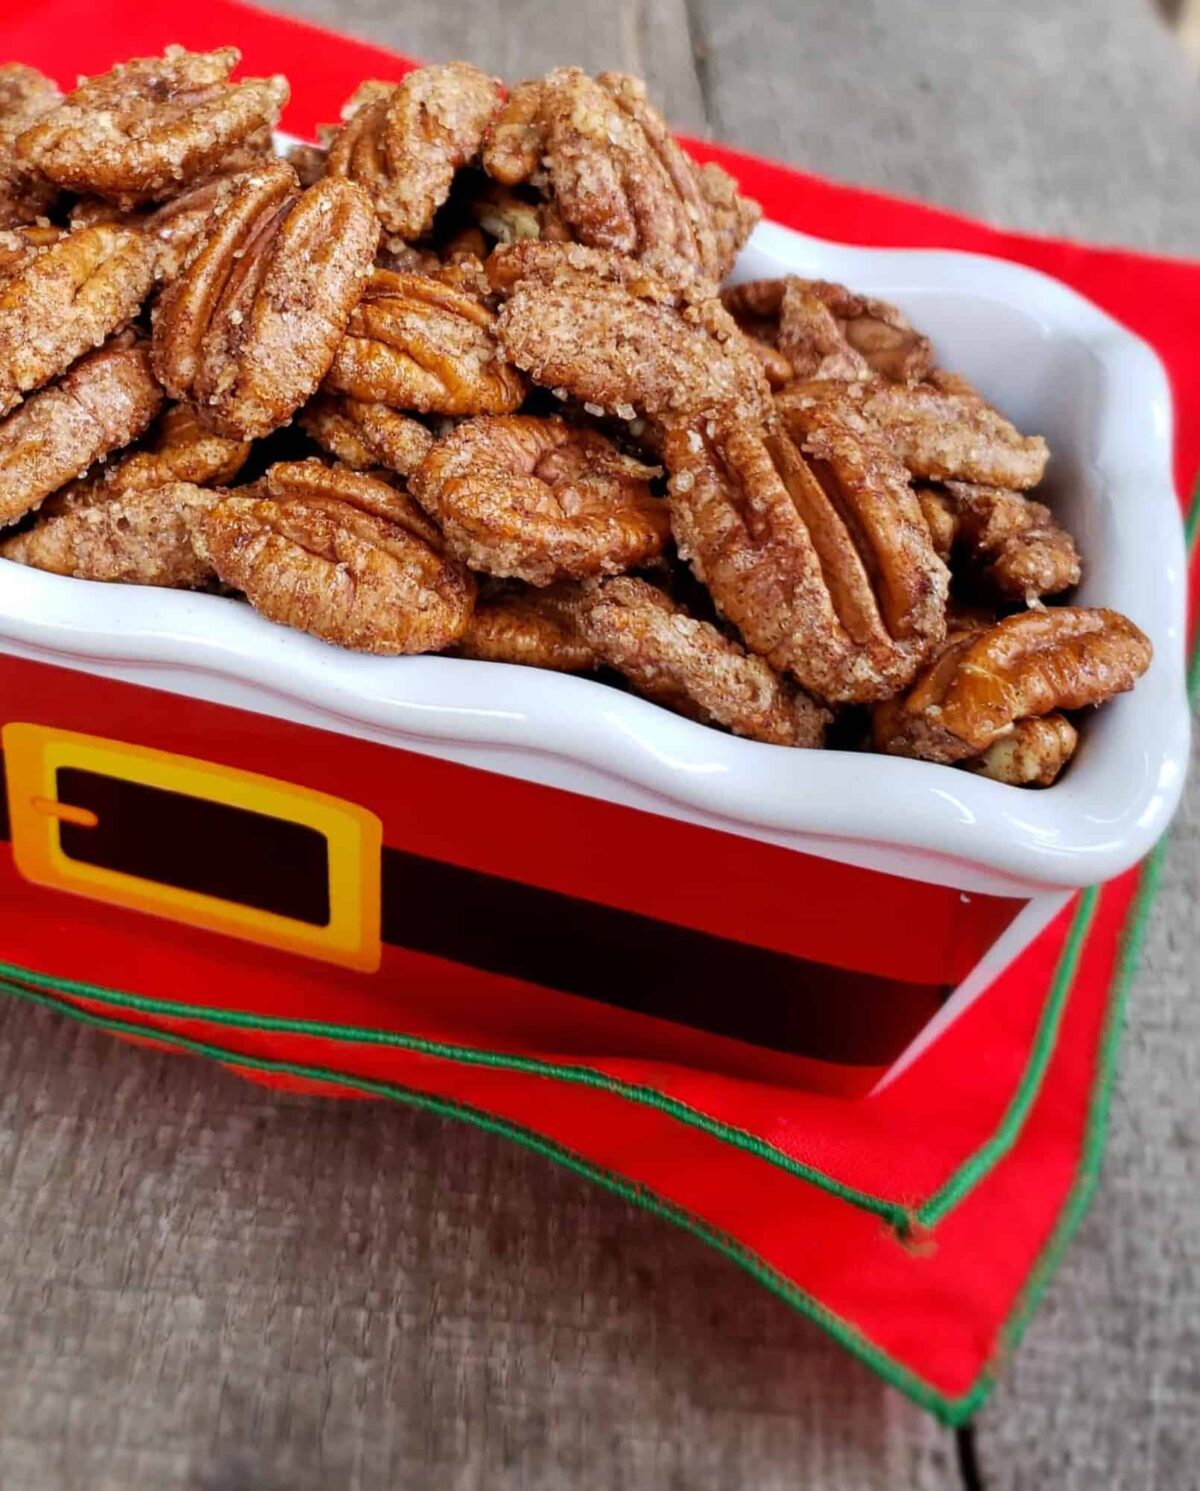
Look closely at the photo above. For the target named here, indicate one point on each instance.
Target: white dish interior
(1049, 359)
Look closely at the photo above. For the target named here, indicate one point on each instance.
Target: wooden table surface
(212, 1288)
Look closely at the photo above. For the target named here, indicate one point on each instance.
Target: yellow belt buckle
(35, 754)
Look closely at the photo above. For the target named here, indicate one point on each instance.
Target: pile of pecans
(461, 379)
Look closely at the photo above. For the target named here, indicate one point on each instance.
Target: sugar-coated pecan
(176, 227)
(364, 435)
(406, 258)
(616, 175)
(688, 666)
(308, 162)
(1009, 545)
(106, 400)
(343, 556)
(25, 96)
(20, 246)
(416, 343)
(145, 129)
(507, 216)
(535, 628)
(941, 518)
(943, 431)
(775, 366)
(403, 142)
(540, 500)
(249, 327)
(621, 337)
(812, 542)
(177, 448)
(65, 300)
(1032, 755)
(825, 330)
(1033, 663)
(137, 536)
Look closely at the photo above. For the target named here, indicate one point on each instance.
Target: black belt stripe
(640, 963)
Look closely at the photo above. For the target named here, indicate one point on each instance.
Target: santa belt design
(240, 854)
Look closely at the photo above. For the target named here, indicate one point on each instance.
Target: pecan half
(617, 176)
(176, 227)
(138, 536)
(65, 300)
(404, 142)
(365, 435)
(1029, 664)
(1011, 545)
(179, 448)
(19, 247)
(343, 556)
(539, 500)
(943, 433)
(687, 666)
(25, 96)
(617, 335)
(507, 216)
(151, 125)
(308, 162)
(824, 330)
(103, 403)
(812, 543)
(415, 343)
(534, 628)
(1033, 755)
(249, 328)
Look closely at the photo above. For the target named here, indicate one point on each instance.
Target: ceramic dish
(1049, 359)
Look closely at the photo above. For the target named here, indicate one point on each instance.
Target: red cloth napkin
(918, 1227)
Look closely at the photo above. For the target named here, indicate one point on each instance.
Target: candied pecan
(66, 299)
(1033, 755)
(790, 318)
(540, 500)
(968, 616)
(343, 556)
(687, 665)
(403, 142)
(178, 449)
(104, 402)
(535, 628)
(364, 435)
(416, 343)
(151, 125)
(406, 258)
(826, 331)
(823, 563)
(617, 335)
(249, 328)
(1012, 545)
(308, 162)
(941, 518)
(775, 366)
(617, 176)
(25, 95)
(1033, 663)
(1022, 549)
(19, 247)
(506, 216)
(174, 228)
(139, 536)
(943, 433)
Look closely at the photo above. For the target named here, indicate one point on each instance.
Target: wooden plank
(211, 1286)
(1079, 118)
(523, 38)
